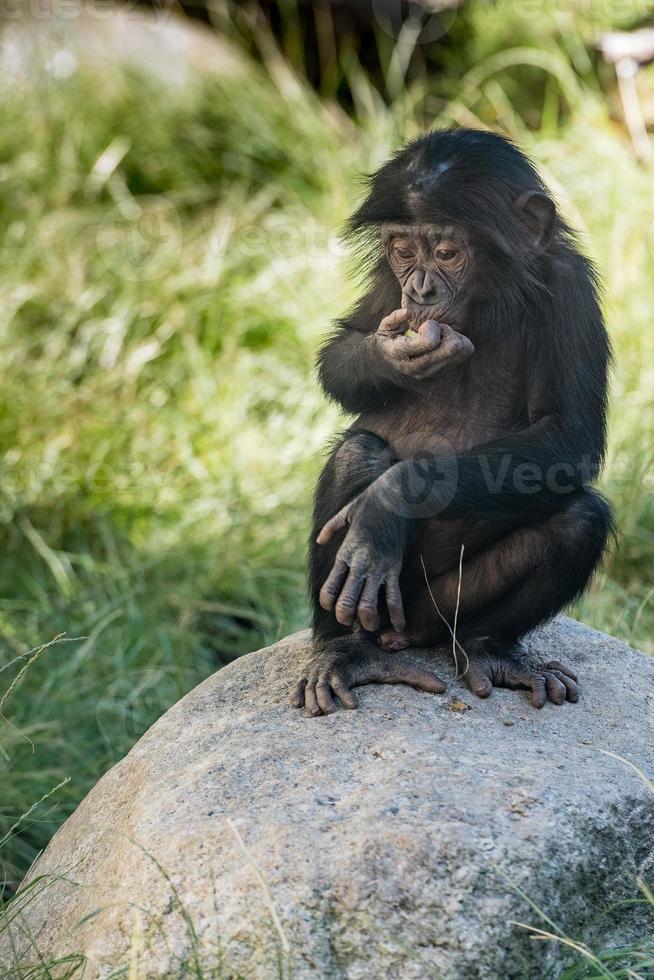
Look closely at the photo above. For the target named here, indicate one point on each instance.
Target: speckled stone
(389, 842)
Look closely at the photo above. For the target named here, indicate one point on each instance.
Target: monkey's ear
(539, 214)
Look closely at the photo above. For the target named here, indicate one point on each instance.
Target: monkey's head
(462, 216)
(432, 264)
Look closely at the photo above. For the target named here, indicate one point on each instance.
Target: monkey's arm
(528, 473)
(356, 462)
(354, 372)
(371, 370)
(341, 659)
(531, 473)
(513, 477)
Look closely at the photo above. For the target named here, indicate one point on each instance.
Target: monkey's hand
(434, 346)
(339, 665)
(370, 557)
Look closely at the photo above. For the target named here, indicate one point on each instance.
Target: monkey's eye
(445, 254)
(402, 250)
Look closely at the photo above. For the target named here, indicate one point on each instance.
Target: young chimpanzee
(477, 366)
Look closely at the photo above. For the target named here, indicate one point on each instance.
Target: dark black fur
(541, 303)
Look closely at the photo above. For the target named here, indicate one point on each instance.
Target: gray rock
(401, 840)
(52, 39)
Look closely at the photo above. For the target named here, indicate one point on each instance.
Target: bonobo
(476, 365)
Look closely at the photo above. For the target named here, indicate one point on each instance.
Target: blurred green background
(169, 261)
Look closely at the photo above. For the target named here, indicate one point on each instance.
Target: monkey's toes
(551, 682)
(479, 681)
(318, 692)
(394, 670)
(566, 677)
(393, 641)
(296, 697)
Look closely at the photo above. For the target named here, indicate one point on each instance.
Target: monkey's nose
(424, 287)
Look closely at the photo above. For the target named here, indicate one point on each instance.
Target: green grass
(167, 267)
(159, 420)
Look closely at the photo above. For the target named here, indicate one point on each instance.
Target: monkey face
(432, 263)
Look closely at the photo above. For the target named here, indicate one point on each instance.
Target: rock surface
(240, 837)
(51, 39)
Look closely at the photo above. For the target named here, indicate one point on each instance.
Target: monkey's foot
(392, 641)
(494, 664)
(339, 665)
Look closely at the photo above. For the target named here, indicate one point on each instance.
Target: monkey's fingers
(556, 689)
(395, 670)
(394, 602)
(479, 679)
(324, 695)
(557, 665)
(571, 687)
(311, 706)
(543, 683)
(431, 334)
(542, 686)
(334, 524)
(550, 685)
(348, 600)
(333, 583)
(297, 694)
(367, 610)
(437, 345)
(343, 692)
(394, 323)
(427, 341)
(445, 356)
(536, 685)
(454, 343)
(442, 342)
(318, 694)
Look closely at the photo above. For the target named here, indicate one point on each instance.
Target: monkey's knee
(577, 539)
(356, 462)
(364, 442)
(361, 457)
(584, 527)
(598, 515)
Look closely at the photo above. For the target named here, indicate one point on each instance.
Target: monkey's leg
(512, 587)
(442, 546)
(342, 656)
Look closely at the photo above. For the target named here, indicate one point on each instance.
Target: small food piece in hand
(411, 333)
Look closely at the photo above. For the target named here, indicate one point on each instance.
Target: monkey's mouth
(419, 312)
